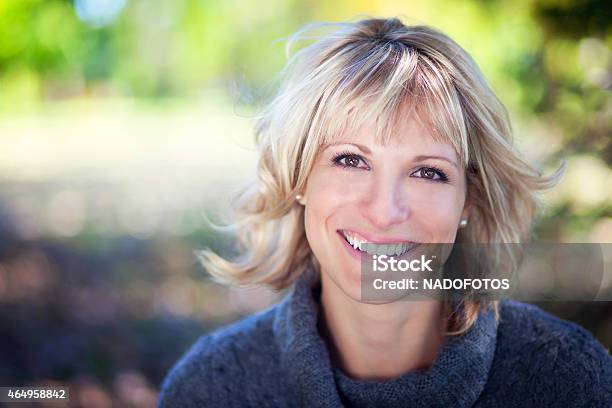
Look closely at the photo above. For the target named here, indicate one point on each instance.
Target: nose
(385, 204)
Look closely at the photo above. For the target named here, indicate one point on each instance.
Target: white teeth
(376, 249)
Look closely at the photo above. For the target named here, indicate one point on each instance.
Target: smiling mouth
(390, 249)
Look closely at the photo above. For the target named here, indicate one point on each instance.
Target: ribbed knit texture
(277, 358)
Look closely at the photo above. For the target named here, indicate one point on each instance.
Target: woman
(383, 134)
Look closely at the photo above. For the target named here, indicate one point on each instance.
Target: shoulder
(221, 365)
(523, 324)
(549, 359)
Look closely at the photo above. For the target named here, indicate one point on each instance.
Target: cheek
(331, 196)
(327, 191)
(437, 214)
(324, 201)
(333, 185)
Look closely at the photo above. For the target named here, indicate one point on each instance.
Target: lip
(355, 253)
(374, 239)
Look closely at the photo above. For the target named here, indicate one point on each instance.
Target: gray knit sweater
(277, 358)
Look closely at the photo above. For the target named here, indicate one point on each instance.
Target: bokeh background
(124, 122)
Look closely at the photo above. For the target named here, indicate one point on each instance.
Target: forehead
(409, 134)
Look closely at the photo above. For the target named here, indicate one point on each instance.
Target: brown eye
(349, 160)
(430, 173)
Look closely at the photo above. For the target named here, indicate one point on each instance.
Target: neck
(379, 341)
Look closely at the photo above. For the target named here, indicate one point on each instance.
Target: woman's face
(412, 189)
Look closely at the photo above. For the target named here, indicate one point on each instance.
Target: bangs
(382, 84)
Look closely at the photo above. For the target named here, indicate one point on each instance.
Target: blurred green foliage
(550, 62)
(154, 48)
(547, 59)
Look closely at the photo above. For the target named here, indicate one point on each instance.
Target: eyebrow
(420, 157)
(444, 158)
(361, 147)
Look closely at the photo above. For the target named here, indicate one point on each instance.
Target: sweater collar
(456, 378)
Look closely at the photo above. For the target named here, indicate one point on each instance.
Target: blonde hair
(367, 71)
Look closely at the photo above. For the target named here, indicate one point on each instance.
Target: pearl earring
(298, 197)
(463, 223)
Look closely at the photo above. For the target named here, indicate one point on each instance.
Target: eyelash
(337, 161)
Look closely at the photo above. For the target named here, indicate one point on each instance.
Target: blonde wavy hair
(367, 71)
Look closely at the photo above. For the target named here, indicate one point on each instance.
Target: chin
(348, 281)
